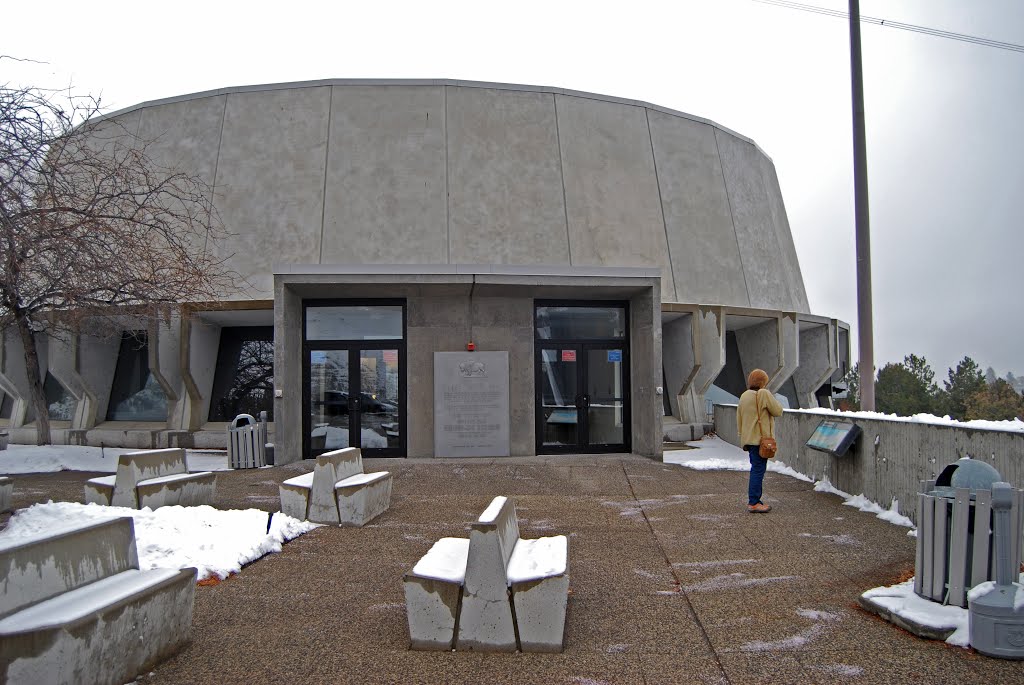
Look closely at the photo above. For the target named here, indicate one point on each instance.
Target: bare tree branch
(92, 224)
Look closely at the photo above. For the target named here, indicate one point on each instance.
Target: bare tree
(91, 225)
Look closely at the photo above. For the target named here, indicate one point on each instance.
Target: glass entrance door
(354, 400)
(582, 397)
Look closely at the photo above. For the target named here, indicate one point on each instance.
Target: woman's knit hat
(757, 379)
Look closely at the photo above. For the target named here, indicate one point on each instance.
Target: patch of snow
(714, 564)
(800, 639)
(837, 539)
(491, 512)
(715, 454)
(51, 458)
(1015, 425)
(982, 589)
(217, 543)
(445, 561)
(540, 558)
(734, 581)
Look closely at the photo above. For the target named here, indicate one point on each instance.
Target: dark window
(354, 322)
(244, 380)
(59, 402)
(731, 378)
(6, 407)
(580, 323)
(135, 394)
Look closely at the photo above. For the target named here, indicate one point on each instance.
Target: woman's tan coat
(746, 416)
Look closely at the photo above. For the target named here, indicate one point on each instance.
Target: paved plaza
(672, 581)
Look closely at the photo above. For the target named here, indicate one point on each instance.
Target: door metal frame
(353, 347)
(582, 346)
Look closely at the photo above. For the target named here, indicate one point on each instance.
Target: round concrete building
(447, 268)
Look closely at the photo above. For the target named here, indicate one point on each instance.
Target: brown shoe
(758, 508)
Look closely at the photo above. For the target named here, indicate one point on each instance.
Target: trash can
(954, 538)
(246, 443)
(4, 437)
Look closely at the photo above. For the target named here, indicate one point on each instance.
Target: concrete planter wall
(891, 457)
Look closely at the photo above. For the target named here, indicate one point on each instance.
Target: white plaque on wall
(471, 415)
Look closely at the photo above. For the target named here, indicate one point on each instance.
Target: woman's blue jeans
(758, 465)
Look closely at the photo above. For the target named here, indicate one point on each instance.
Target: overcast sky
(945, 118)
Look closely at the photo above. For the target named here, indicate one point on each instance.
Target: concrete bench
(337, 491)
(152, 478)
(6, 493)
(493, 592)
(75, 608)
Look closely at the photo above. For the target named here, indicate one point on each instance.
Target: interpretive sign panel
(834, 437)
(471, 415)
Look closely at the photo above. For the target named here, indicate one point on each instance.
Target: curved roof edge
(426, 82)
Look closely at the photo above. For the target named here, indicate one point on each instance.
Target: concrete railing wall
(890, 458)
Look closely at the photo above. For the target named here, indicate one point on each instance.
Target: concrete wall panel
(386, 188)
(97, 362)
(271, 178)
(185, 135)
(817, 362)
(761, 255)
(204, 345)
(646, 372)
(506, 202)
(789, 264)
(759, 348)
(611, 188)
(679, 358)
(705, 255)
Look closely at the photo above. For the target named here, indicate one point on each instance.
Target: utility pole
(865, 329)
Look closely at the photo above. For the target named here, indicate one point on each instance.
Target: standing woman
(755, 418)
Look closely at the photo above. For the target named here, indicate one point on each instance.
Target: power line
(1013, 47)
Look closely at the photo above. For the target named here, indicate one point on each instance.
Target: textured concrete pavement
(672, 582)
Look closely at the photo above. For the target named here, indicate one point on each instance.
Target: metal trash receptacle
(954, 524)
(4, 438)
(247, 439)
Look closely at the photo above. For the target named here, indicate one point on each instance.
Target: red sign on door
(391, 355)
(568, 355)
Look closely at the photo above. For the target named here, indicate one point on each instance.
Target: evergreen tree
(963, 383)
(852, 380)
(919, 367)
(902, 391)
(996, 402)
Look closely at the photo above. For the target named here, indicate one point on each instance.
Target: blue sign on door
(615, 355)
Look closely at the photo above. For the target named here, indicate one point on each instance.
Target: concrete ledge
(363, 500)
(75, 608)
(153, 478)
(491, 593)
(337, 491)
(6, 493)
(927, 632)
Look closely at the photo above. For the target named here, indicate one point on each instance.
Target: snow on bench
(152, 478)
(337, 491)
(493, 592)
(75, 608)
(6, 493)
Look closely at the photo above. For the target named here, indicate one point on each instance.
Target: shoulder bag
(768, 446)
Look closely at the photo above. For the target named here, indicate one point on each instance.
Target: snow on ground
(48, 458)
(216, 542)
(713, 453)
